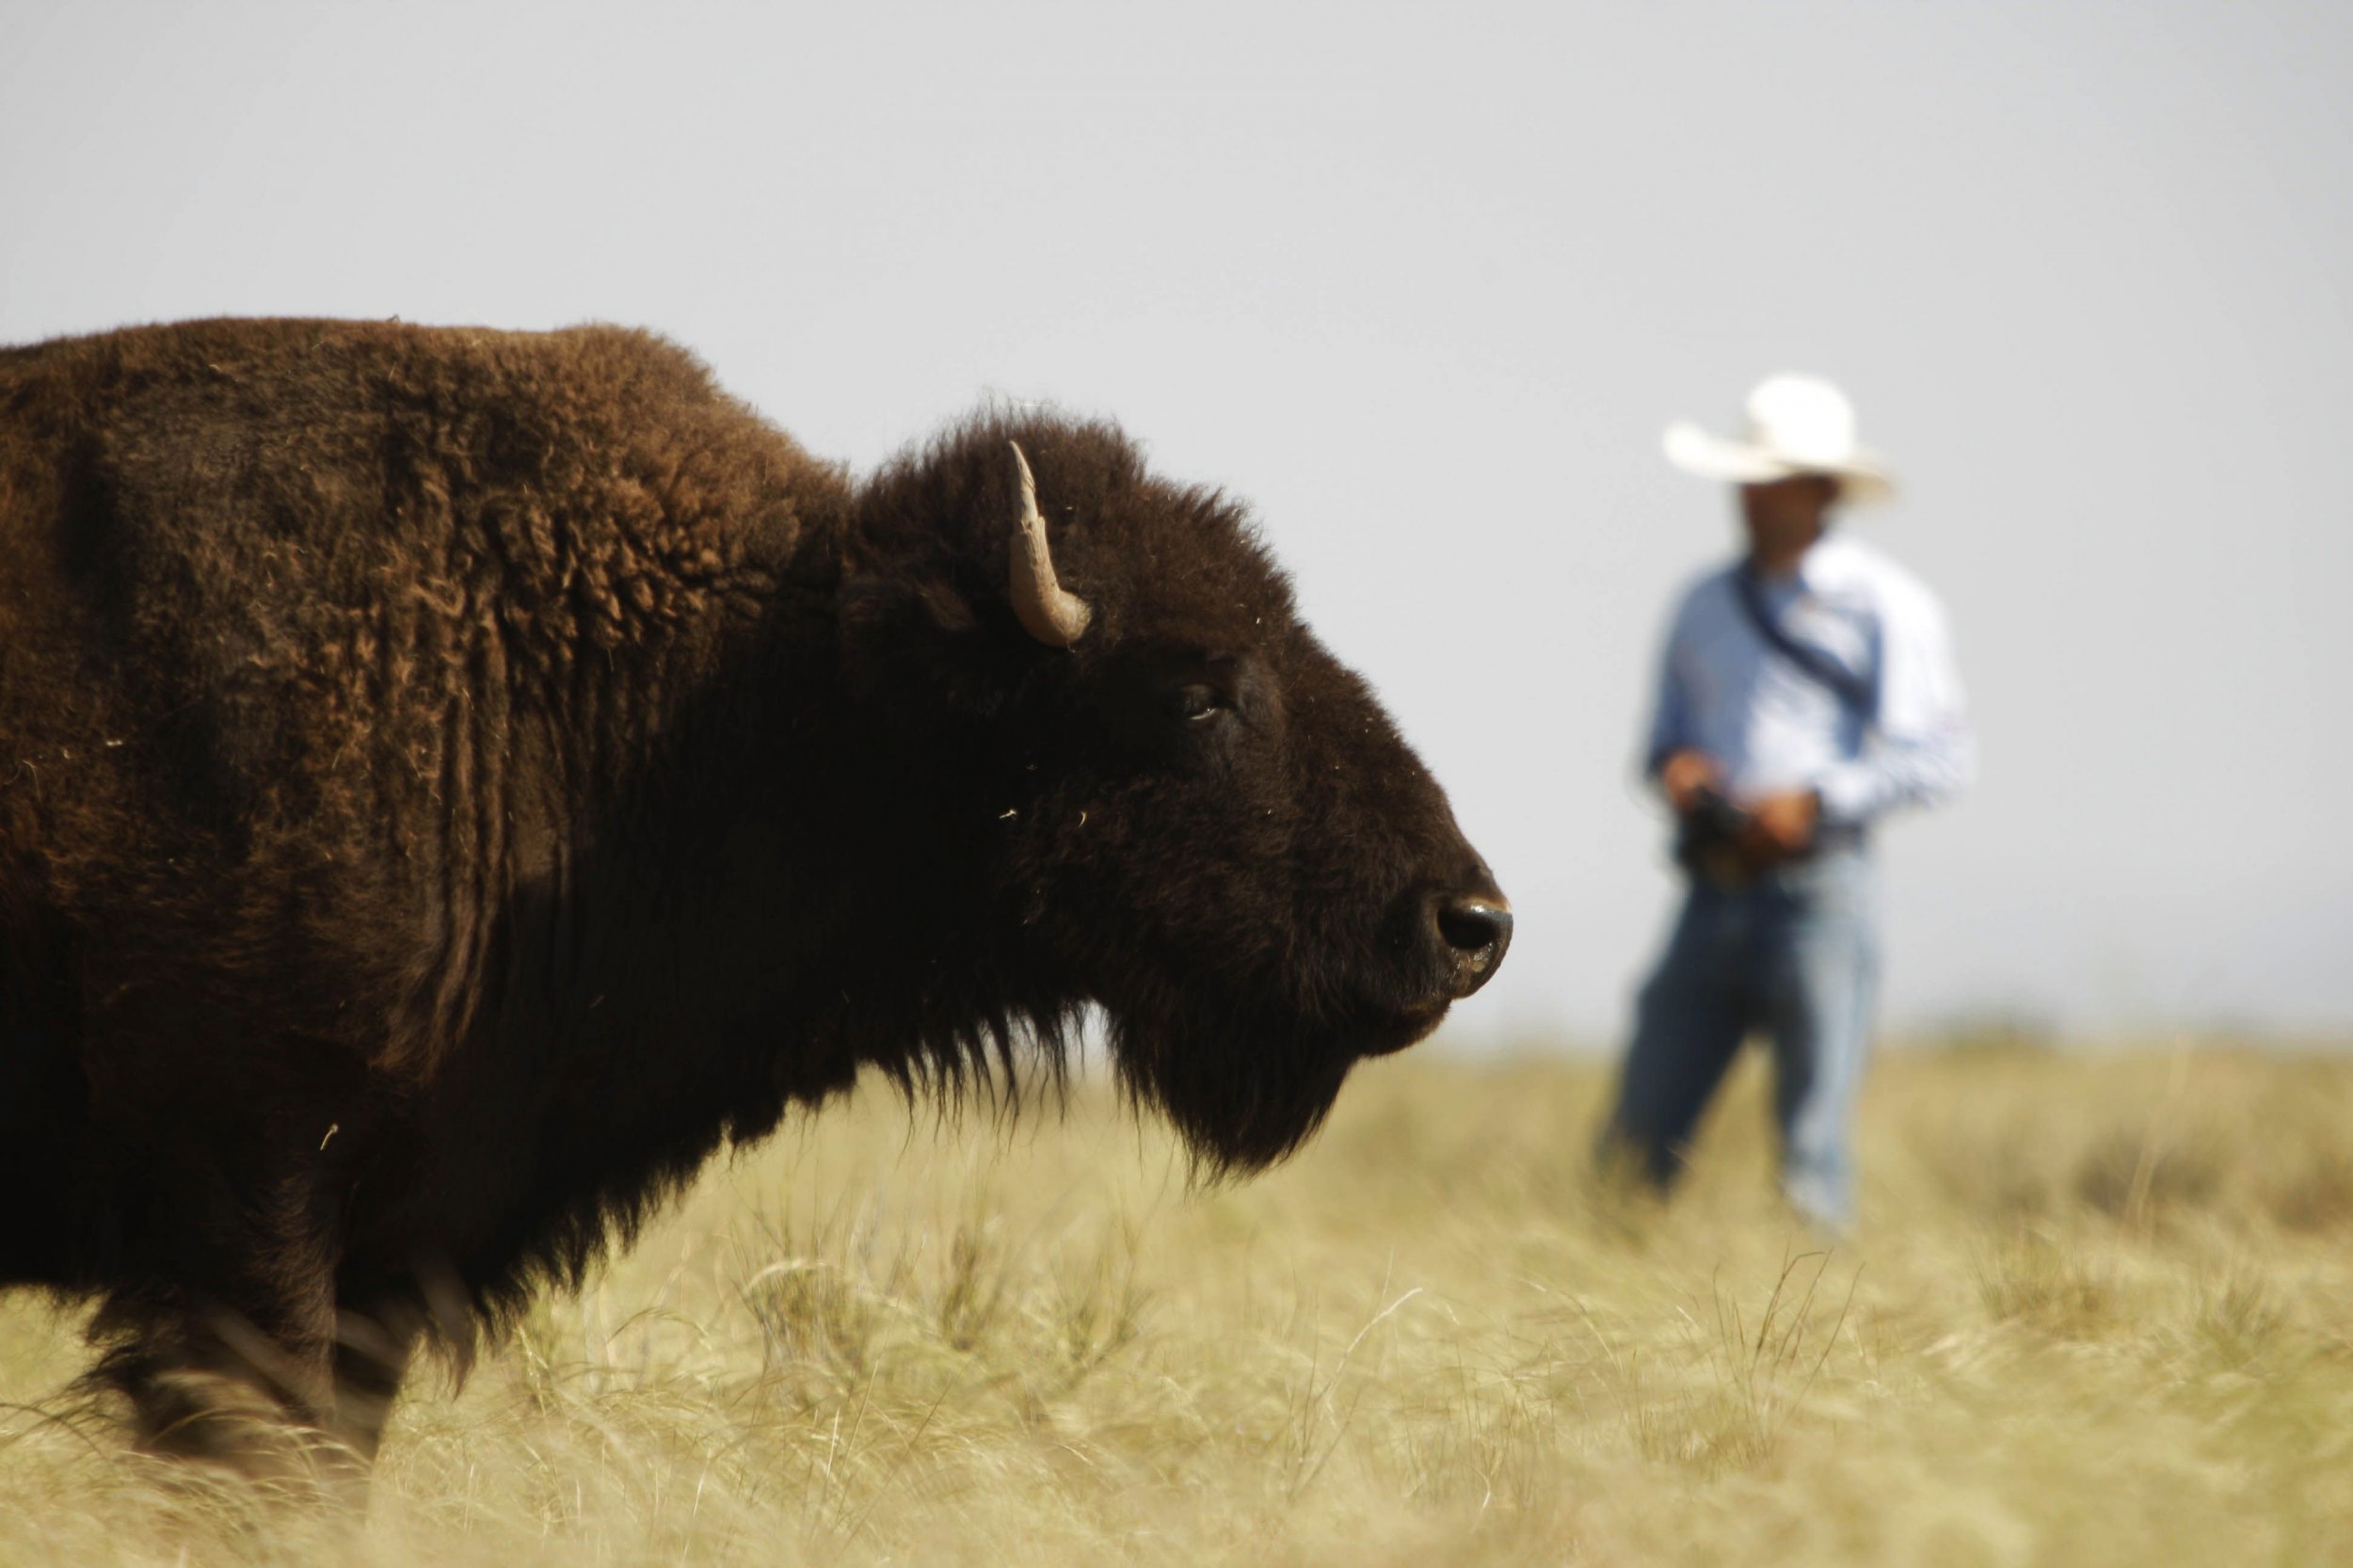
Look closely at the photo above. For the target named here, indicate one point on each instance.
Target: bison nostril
(1477, 929)
(1472, 925)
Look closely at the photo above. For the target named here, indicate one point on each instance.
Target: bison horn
(1048, 613)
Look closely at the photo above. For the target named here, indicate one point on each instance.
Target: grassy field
(2100, 1310)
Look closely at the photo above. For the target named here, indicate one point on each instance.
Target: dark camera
(1708, 836)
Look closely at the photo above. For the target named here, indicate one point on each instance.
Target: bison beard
(1238, 1121)
(451, 782)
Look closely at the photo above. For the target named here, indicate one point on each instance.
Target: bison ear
(920, 651)
(949, 610)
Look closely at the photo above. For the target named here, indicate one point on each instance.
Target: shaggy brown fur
(453, 780)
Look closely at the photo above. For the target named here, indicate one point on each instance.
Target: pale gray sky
(1422, 283)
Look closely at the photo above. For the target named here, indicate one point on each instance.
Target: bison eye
(1198, 704)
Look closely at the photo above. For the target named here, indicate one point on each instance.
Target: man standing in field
(1808, 689)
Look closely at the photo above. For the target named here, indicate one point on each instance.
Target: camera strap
(1852, 692)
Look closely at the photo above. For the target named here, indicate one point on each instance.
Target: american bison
(451, 781)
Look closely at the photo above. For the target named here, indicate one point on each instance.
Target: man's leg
(1688, 1024)
(1821, 978)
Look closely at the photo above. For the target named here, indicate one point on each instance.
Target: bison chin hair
(1242, 1091)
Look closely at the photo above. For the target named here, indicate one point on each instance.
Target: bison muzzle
(452, 781)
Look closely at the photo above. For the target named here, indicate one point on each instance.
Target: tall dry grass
(2100, 1311)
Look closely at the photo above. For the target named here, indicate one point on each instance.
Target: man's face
(1785, 515)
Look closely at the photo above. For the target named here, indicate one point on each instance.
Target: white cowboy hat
(1797, 425)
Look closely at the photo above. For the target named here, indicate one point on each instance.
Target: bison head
(1180, 807)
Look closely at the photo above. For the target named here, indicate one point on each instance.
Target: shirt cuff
(1845, 794)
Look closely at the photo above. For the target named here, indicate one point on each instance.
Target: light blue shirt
(1725, 691)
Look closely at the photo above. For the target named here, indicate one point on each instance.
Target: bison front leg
(229, 1385)
(374, 1346)
(230, 1357)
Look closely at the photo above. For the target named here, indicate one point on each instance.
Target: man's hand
(1683, 774)
(1782, 826)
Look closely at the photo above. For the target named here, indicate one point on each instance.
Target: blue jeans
(1794, 954)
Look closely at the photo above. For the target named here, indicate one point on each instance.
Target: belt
(1834, 838)
(1720, 866)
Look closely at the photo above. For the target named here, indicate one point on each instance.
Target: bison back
(317, 640)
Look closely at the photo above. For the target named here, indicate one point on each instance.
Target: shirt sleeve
(1673, 727)
(1919, 749)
